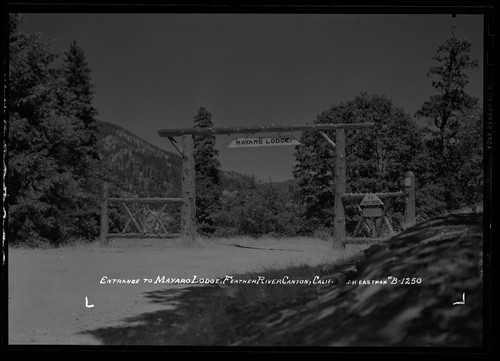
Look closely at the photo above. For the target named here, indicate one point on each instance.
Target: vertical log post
(409, 191)
(339, 236)
(104, 215)
(188, 210)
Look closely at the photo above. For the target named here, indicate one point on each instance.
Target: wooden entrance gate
(188, 188)
(186, 150)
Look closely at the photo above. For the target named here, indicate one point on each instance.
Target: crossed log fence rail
(143, 231)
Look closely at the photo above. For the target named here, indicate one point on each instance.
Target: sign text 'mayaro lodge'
(262, 142)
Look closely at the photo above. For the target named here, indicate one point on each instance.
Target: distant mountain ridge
(285, 185)
(137, 168)
(134, 166)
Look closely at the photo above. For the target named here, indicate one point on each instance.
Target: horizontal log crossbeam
(145, 200)
(355, 196)
(142, 235)
(364, 240)
(259, 129)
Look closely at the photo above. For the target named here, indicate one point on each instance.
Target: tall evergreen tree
(84, 160)
(45, 188)
(453, 60)
(76, 73)
(208, 179)
(33, 125)
(449, 154)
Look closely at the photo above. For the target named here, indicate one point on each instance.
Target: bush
(263, 210)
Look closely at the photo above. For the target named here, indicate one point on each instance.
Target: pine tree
(45, 186)
(33, 131)
(454, 59)
(79, 90)
(449, 157)
(208, 180)
(85, 159)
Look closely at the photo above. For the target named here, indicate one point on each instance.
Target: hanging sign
(262, 142)
(371, 200)
(372, 212)
(371, 204)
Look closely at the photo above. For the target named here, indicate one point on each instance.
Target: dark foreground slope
(446, 253)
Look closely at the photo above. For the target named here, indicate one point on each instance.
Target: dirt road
(56, 294)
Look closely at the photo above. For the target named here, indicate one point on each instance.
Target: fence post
(339, 236)
(409, 191)
(104, 214)
(188, 209)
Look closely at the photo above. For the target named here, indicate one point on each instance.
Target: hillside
(135, 167)
(233, 181)
(288, 185)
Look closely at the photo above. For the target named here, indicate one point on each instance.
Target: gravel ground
(49, 289)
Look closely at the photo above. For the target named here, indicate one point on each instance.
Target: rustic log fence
(142, 231)
(408, 194)
(188, 187)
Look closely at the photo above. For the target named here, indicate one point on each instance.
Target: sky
(154, 71)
